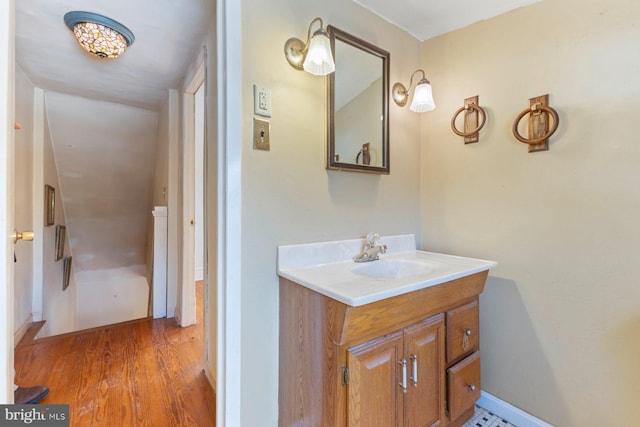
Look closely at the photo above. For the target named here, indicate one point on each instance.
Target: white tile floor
(484, 418)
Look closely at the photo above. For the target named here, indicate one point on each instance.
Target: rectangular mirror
(357, 105)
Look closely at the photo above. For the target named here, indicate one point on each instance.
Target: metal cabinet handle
(465, 339)
(472, 387)
(414, 377)
(403, 384)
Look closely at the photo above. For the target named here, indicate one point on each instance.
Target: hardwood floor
(140, 373)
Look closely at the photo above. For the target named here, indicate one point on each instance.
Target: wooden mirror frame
(332, 162)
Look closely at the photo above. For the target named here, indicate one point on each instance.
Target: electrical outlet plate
(261, 134)
(261, 101)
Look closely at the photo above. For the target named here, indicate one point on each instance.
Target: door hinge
(446, 408)
(345, 375)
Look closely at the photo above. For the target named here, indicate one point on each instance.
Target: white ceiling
(168, 35)
(428, 18)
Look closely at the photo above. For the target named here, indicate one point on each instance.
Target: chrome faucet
(371, 249)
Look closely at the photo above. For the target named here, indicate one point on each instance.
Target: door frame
(186, 313)
(7, 121)
(228, 64)
(227, 195)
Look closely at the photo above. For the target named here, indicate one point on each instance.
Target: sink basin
(392, 269)
(328, 268)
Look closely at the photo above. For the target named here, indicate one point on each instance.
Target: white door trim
(7, 121)
(186, 313)
(229, 181)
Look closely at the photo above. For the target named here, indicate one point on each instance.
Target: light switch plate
(261, 134)
(261, 101)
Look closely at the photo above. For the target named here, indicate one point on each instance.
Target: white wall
(160, 183)
(23, 279)
(174, 196)
(7, 116)
(199, 184)
(287, 194)
(215, 284)
(166, 192)
(560, 315)
(59, 307)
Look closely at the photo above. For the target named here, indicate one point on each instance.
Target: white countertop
(328, 268)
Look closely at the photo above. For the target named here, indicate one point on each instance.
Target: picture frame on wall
(61, 232)
(66, 275)
(49, 205)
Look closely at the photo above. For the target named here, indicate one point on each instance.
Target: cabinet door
(374, 396)
(424, 349)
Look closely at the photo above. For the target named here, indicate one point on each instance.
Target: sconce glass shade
(422, 98)
(319, 60)
(422, 95)
(99, 35)
(314, 56)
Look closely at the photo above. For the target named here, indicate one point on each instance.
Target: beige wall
(23, 273)
(287, 194)
(560, 315)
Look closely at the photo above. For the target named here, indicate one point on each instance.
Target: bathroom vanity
(393, 342)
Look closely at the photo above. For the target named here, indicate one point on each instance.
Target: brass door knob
(25, 235)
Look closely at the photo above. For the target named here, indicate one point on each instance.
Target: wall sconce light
(315, 55)
(98, 34)
(422, 96)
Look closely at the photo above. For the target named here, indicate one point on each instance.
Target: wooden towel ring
(532, 109)
(475, 107)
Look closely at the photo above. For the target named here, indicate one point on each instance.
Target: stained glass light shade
(98, 34)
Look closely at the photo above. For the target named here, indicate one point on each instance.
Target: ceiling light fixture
(98, 34)
(422, 96)
(315, 55)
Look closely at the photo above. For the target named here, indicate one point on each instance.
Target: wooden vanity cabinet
(344, 366)
(397, 379)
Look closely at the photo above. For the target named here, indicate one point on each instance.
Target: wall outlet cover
(261, 101)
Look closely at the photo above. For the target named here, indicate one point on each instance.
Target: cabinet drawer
(463, 380)
(463, 335)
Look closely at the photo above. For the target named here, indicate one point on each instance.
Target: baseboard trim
(177, 314)
(22, 330)
(509, 412)
(210, 377)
